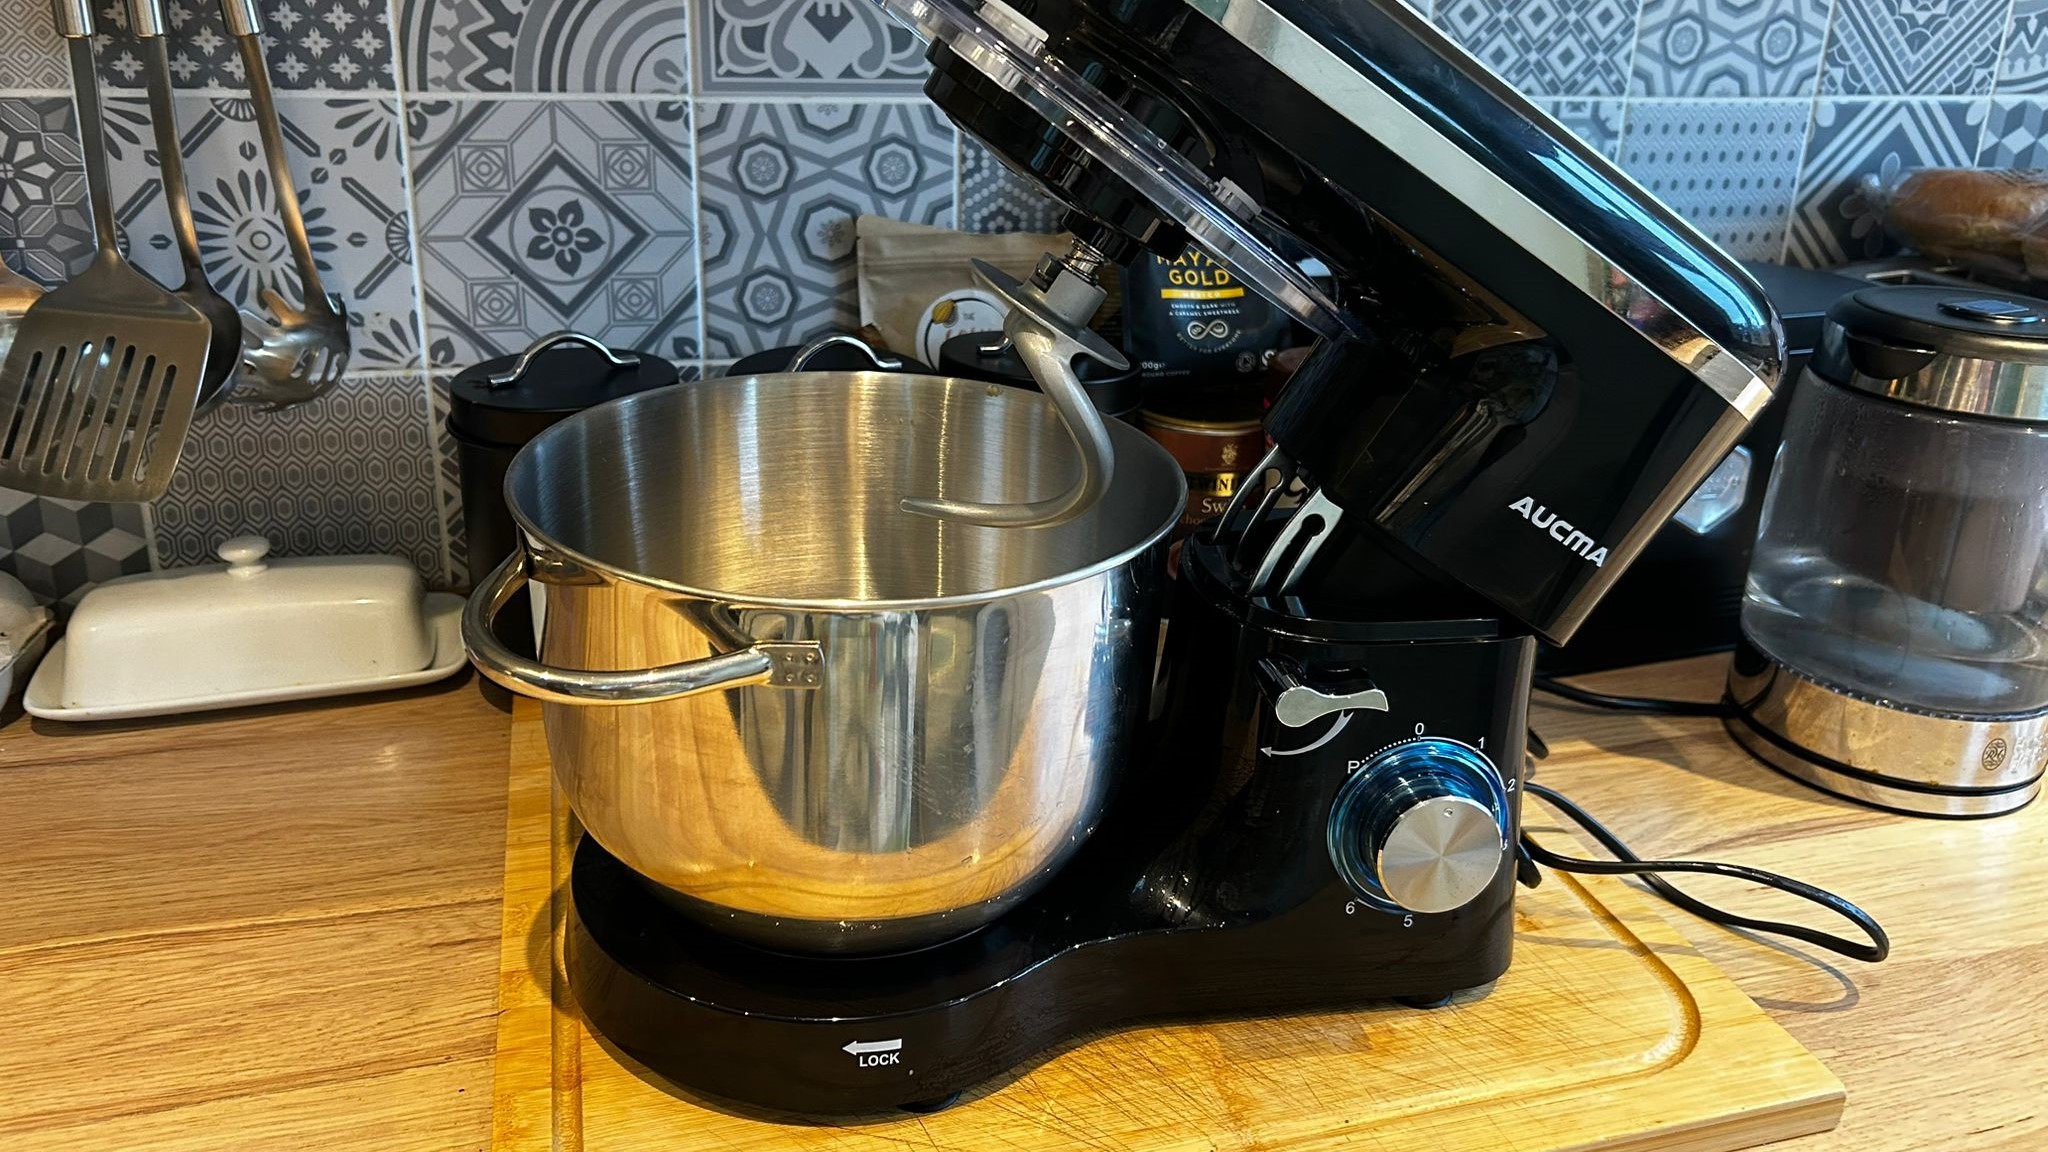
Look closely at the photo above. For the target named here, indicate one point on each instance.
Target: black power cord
(1627, 863)
(1652, 705)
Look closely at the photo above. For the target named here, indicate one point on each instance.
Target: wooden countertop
(278, 929)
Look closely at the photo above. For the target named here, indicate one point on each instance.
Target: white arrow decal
(863, 1047)
(1342, 720)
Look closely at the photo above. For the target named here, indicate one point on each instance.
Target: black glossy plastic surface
(1486, 378)
(1683, 595)
(1909, 321)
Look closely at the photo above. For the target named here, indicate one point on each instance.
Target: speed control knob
(1421, 827)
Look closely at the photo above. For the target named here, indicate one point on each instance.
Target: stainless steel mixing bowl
(819, 721)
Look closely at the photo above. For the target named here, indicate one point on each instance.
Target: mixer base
(843, 1035)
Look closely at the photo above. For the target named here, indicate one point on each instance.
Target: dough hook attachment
(1048, 326)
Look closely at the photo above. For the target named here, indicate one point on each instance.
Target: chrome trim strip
(1964, 385)
(1908, 761)
(1378, 114)
(1947, 804)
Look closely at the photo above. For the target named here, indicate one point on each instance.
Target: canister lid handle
(804, 354)
(518, 369)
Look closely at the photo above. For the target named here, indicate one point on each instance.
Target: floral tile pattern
(546, 46)
(995, 199)
(803, 47)
(1730, 47)
(541, 215)
(1597, 122)
(1856, 151)
(345, 156)
(352, 472)
(32, 54)
(44, 232)
(2023, 67)
(1550, 48)
(342, 44)
(60, 548)
(2016, 134)
(1728, 167)
(781, 186)
(1914, 47)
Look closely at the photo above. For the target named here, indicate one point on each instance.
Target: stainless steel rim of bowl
(1132, 448)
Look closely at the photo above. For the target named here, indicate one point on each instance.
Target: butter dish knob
(244, 554)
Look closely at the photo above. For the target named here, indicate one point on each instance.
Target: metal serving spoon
(146, 20)
(303, 353)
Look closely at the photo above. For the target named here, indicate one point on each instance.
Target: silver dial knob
(1439, 855)
(1421, 827)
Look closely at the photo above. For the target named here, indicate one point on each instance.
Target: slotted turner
(99, 388)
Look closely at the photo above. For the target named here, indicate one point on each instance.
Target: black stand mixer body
(1532, 365)
(1546, 362)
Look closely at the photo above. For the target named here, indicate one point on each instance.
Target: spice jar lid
(1972, 351)
(512, 399)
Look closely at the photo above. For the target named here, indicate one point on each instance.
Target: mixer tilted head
(1525, 363)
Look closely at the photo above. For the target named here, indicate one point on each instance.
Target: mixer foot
(936, 1104)
(1424, 1002)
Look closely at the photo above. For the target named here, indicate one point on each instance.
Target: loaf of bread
(1993, 220)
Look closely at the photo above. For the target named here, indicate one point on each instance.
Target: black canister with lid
(495, 407)
(988, 356)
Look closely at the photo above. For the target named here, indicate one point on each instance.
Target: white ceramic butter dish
(251, 630)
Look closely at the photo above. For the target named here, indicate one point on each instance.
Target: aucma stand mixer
(1525, 364)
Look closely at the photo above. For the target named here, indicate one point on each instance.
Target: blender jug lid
(1972, 351)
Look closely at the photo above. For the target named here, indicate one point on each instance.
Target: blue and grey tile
(309, 44)
(536, 216)
(782, 184)
(995, 199)
(1596, 122)
(352, 472)
(2016, 134)
(31, 54)
(59, 549)
(1914, 48)
(1725, 48)
(766, 48)
(2023, 65)
(1857, 152)
(44, 230)
(1729, 167)
(583, 46)
(345, 156)
(1553, 48)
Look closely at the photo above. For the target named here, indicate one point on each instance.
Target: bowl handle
(791, 664)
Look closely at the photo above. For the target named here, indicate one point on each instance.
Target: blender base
(841, 1036)
(1915, 763)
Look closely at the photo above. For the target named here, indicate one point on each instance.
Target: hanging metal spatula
(98, 390)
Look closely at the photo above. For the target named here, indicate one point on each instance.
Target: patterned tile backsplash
(534, 216)
(590, 46)
(682, 176)
(355, 473)
(782, 184)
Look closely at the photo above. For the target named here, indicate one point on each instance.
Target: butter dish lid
(249, 623)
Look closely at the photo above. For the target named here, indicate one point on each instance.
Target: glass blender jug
(1894, 648)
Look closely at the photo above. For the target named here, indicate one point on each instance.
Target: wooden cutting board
(1609, 1032)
